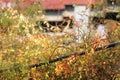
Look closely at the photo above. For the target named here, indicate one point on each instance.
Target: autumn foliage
(21, 45)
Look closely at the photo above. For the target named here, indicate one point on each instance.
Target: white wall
(81, 14)
(53, 15)
(8, 4)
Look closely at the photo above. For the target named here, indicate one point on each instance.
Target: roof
(18, 0)
(22, 4)
(7, 0)
(60, 4)
(55, 4)
(52, 4)
(79, 2)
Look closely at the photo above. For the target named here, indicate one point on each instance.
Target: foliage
(8, 17)
(24, 46)
(33, 9)
(118, 1)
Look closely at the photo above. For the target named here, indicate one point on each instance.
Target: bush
(19, 50)
(8, 18)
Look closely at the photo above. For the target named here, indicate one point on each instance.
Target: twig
(63, 57)
(82, 53)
